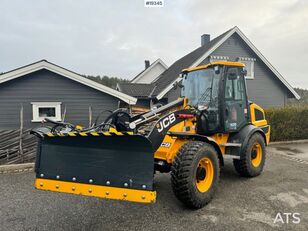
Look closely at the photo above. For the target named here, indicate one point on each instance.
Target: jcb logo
(166, 122)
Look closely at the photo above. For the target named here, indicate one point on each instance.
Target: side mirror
(244, 72)
(177, 84)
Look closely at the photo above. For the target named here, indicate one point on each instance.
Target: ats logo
(165, 122)
(286, 218)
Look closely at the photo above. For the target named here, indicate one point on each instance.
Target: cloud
(115, 37)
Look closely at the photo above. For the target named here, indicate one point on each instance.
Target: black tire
(184, 174)
(244, 166)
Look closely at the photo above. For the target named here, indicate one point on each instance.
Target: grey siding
(46, 86)
(265, 89)
(173, 94)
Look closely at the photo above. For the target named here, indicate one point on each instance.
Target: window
(41, 110)
(218, 58)
(249, 66)
(234, 89)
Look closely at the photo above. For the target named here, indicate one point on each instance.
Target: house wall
(46, 86)
(150, 75)
(265, 89)
(173, 94)
(146, 103)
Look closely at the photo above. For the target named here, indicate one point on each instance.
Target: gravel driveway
(240, 203)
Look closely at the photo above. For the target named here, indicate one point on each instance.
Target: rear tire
(195, 174)
(253, 158)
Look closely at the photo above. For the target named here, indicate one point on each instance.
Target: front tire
(195, 174)
(253, 158)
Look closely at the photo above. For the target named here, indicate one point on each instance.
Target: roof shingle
(136, 89)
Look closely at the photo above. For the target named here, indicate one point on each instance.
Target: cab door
(235, 100)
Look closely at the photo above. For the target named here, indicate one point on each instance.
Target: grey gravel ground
(293, 151)
(240, 204)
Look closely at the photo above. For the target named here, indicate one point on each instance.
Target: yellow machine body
(105, 192)
(169, 151)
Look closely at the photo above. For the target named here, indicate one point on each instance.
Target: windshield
(200, 87)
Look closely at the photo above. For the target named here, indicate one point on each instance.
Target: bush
(289, 123)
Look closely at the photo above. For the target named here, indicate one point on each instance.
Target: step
(231, 145)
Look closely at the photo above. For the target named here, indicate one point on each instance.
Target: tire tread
(180, 174)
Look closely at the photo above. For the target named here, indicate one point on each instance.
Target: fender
(244, 135)
(183, 135)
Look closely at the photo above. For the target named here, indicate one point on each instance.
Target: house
(44, 89)
(141, 91)
(150, 72)
(141, 85)
(266, 86)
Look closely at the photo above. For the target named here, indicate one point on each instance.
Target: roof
(225, 63)
(44, 64)
(145, 71)
(170, 76)
(167, 78)
(136, 89)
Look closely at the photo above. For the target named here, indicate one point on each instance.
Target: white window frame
(37, 105)
(251, 61)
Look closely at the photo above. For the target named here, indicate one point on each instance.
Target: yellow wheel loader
(190, 138)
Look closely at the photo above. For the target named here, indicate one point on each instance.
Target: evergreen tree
(107, 81)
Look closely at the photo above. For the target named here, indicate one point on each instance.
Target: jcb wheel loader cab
(218, 92)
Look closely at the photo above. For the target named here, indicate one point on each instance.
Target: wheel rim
(204, 174)
(256, 155)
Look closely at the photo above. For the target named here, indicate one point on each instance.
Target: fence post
(64, 114)
(21, 133)
(90, 116)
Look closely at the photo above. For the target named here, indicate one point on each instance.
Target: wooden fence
(17, 146)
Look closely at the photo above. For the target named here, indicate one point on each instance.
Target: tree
(303, 93)
(107, 81)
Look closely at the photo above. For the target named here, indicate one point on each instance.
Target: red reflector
(185, 116)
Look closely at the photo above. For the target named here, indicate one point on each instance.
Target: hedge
(288, 123)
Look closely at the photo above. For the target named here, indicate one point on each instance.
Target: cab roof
(224, 63)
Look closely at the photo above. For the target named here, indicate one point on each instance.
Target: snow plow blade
(109, 165)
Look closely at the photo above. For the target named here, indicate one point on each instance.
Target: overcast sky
(115, 37)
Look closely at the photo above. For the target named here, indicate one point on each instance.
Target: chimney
(147, 64)
(205, 38)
